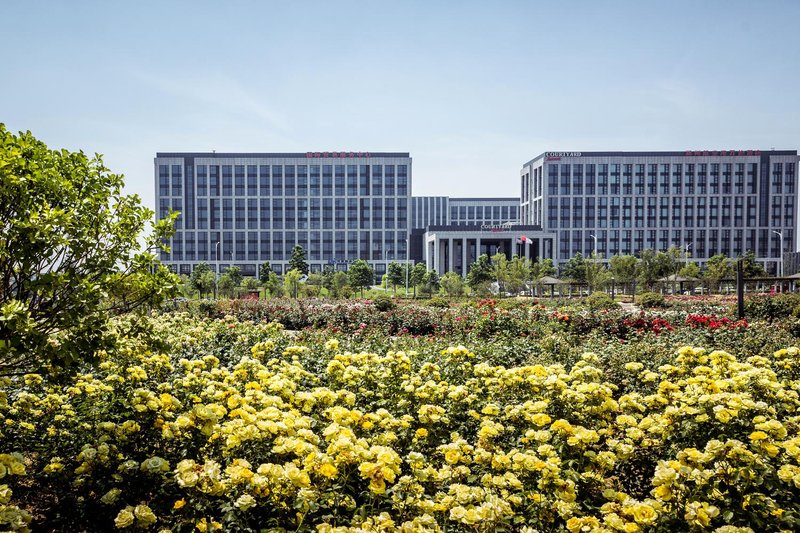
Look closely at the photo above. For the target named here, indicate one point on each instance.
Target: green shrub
(438, 301)
(511, 304)
(647, 300)
(383, 303)
(771, 307)
(600, 300)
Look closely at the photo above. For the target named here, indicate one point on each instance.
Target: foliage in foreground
(70, 256)
(235, 426)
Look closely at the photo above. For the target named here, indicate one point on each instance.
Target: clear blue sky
(472, 89)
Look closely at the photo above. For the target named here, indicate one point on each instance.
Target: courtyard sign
(497, 228)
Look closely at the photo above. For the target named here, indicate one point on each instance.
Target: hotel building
(249, 208)
(702, 202)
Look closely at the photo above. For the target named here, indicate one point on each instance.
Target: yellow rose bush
(217, 424)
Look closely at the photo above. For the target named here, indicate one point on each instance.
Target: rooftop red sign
(722, 152)
(337, 154)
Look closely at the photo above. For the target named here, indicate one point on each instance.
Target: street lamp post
(408, 246)
(594, 257)
(593, 236)
(685, 259)
(780, 264)
(216, 271)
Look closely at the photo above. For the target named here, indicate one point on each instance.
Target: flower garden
(485, 416)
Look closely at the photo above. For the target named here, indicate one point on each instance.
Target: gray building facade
(703, 202)
(245, 209)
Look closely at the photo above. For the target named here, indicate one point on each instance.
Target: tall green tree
(361, 275)
(750, 267)
(249, 284)
(623, 268)
(274, 285)
(655, 265)
(340, 285)
(453, 284)
(690, 270)
(298, 260)
(518, 274)
(540, 269)
(396, 274)
(500, 271)
(291, 281)
(72, 254)
(718, 267)
(575, 269)
(480, 274)
(197, 276)
(226, 285)
(417, 276)
(430, 282)
(235, 273)
(597, 275)
(207, 282)
(264, 272)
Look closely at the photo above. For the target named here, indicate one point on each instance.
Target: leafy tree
(226, 285)
(311, 291)
(315, 280)
(480, 274)
(197, 274)
(361, 275)
(249, 284)
(327, 278)
(672, 260)
(718, 267)
(518, 274)
(291, 280)
(207, 282)
(235, 273)
(453, 284)
(70, 255)
(340, 284)
(690, 270)
(396, 274)
(417, 276)
(274, 285)
(750, 267)
(623, 268)
(263, 272)
(597, 275)
(575, 269)
(500, 270)
(185, 287)
(654, 266)
(430, 282)
(298, 260)
(540, 269)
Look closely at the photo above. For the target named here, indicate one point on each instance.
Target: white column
(477, 248)
(464, 265)
(426, 253)
(436, 254)
(450, 254)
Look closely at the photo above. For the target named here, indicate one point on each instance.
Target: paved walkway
(629, 307)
